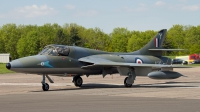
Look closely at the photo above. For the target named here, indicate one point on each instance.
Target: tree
(61, 37)
(176, 34)
(192, 39)
(74, 38)
(2, 45)
(28, 45)
(119, 40)
(24, 40)
(10, 35)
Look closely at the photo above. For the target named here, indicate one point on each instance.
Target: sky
(140, 15)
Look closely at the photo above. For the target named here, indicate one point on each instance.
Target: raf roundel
(42, 64)
(138, 61)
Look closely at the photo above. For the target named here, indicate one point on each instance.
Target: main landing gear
(128, 81)
(45, 86)
(126, 84)
(77, 80)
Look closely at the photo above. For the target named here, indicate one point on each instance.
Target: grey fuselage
(70, 65)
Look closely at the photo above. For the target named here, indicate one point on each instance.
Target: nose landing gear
(45, 86)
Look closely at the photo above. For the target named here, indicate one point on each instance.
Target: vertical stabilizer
(155, 43)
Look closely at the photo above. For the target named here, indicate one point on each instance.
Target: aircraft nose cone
(8, 65)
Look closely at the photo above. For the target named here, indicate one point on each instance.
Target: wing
(101, 62)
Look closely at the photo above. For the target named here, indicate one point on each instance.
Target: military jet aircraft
(62, 60)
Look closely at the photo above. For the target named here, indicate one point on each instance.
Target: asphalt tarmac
(23, 93)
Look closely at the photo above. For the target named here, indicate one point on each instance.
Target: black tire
(126, 84)
(45, 87)
(78, 81)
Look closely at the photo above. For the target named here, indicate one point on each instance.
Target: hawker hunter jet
(62, 60)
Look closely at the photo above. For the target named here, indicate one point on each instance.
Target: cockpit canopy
(55, 50)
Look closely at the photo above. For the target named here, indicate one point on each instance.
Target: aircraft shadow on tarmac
(101, 86)
(172, 82)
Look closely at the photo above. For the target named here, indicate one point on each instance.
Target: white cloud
(191, 7)
(29, 12)
(160, 3)
(34, 11)
(185, 7)
(70, 7)
(140, 8)
(88, 13)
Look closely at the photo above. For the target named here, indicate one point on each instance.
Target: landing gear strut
(45, 86)
(77, 80)
(128, 81)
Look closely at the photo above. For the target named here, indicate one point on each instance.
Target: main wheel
(78, 81)
(45, 87)
(126, 84)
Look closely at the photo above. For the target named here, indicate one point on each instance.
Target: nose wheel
(77, 80)
(45, 87)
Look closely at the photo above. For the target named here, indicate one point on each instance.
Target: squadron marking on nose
(45, 64)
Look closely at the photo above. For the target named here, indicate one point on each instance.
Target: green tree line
(26, 40)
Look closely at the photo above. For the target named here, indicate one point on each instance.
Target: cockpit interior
(55, 50)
